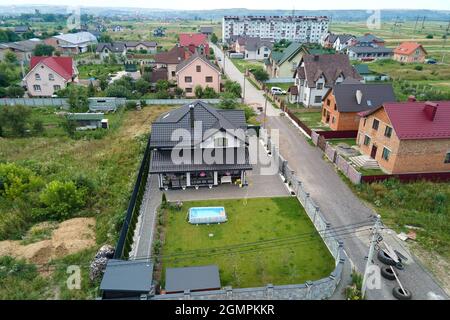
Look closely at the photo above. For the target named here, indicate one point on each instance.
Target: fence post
(309, 285)
(229, 292)
(316, 212)
(187, 294)
(269, 289)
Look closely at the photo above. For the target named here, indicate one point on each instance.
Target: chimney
(430, 110)
(411, 98)
(191, 114)
(359, 96)
(316, 57)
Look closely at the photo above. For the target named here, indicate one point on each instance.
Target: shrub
(130, 105)
(15, 118)
(62, 198)
(260, 74)
(418, 68)
(198, 90)
(233, 88)
(15, 180)
(228, 101)
(118, 90)
(429, 36)
(38, 127)
(209, 93)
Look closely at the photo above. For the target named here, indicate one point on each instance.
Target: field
(252, 222)
(108, 164)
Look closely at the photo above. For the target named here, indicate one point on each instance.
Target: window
(188, 90)
(51, 77)
(209, 79)
(37, 76)
(366, 140)
(317, 99)
(188, 79)
(37, 88)
(173, 73)
(388, 132)
(335, 107)
(375, 124)
(447, 158)
(324, 112)
(56, 87)
(328, 102)
(386, 153)
(220, 142)
(319, 86)
(198, 68)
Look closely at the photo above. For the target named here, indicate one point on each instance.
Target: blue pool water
(207, 215)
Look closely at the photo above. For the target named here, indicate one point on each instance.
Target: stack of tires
(386, 272)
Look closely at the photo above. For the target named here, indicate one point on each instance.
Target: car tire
(400, 295)
(399, 266)
(384, 258)
(387, 273)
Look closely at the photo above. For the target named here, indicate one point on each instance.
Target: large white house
(317, 73)
(293, 28)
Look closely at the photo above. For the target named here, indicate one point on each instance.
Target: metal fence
(35, 102)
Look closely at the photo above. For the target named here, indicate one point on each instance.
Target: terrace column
(188, 179)
(216, 180)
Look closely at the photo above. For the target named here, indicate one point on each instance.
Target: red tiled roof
(418, 120)
(195, 39)
(174, 56)
(408, 48)
(61, 65)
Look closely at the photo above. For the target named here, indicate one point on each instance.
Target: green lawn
(312, 119)
(349, 141)
(98, 70)
(251, 220)
(283, 86)
(242, 64)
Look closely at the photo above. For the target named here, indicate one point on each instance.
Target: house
(368, 53)
(342, 103)
(198, 145)
(343, 41)
(49, 74)
(328, 40)
(410, 52)
(368, 40)
(22, 49)
(72, 43)
(117, 28)
(197, 71)
(282, 64)
(317, 73)
(170, 60)
(104, 50)
(159, 32)
(125, 279)
(254, 48)
(88, 121)
(369, 75)
(146, 46)
(207, 31)
(21, 29)
(407, 137)
(199, 278)
(195, 42)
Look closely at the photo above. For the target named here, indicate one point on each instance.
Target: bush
(418, 68)
(15, 180)
(233, 87)
(209, 93)
(15, 118)
(228, 101)
(198, 90)
(429, 36)
(38, 127)
(117, 90)
(130, 105)
(62, 199)
(260, 74)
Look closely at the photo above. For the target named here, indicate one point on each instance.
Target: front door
(373, 153)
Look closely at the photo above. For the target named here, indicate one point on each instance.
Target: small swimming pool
(200, 215)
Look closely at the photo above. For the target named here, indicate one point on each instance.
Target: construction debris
(98, 265)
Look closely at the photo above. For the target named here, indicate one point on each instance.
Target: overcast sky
(250, 4)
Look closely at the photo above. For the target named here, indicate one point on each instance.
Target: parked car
(430, 61)
(277, 91)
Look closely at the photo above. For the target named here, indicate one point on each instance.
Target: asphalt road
(338, 203)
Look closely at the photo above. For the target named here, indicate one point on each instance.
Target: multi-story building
(293, 28)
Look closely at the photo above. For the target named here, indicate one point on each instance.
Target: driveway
(338, 203)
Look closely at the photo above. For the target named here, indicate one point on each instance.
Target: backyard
(242, 64)
(97, 71)
(311, 117)
(266, 240)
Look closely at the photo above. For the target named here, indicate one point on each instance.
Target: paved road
(338, 203)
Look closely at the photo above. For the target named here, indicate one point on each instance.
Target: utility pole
(265, 112)
(243, 91)
(373, 242)
(415, 25)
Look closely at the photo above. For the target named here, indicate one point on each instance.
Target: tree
(91, 89)
(15, 92)
(209, 93)
(15, 180)
(10, 57)
(214, 38)
(43, 50)
(162, 85)
(38, 127)
(118, 91)
(16, 118)
(77, 98)
(260, 74)
(104, 37)
(233, 87)
(228, 101)
(142, 86)
(62, 198)
(69, 126)
(198, 90)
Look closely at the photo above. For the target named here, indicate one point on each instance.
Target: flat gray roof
(127, 275)
(192, 278)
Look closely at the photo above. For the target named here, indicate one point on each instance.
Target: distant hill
(336, 15)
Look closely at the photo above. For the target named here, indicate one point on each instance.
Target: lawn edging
(310, 290)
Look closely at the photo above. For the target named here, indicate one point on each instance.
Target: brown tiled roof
(328, 65)
(174, 56)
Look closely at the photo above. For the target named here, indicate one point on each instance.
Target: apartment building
(294, 28)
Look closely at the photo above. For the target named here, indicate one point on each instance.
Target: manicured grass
(283, 86)
(312, 119)
(249, 221)
(349, 141)
(242, 64)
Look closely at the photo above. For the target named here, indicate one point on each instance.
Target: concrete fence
(311, 290)
(35, 102)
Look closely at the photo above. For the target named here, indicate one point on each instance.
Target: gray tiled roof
(210, 118)
(116, 47)
(162, 161)
(373, 95)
